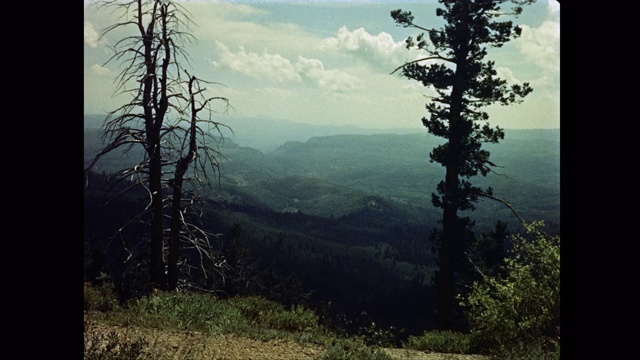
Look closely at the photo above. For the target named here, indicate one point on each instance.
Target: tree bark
(152, 146)
(450, 231)
(181, 168)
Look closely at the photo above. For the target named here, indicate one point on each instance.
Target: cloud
(378, 49)
(507, 74)
(223, 9)
(541, 46)
(91, 36)
(259, 66)
(100, 70)
(241, 24)
(334, 80)
(553, 7)
(279, 69)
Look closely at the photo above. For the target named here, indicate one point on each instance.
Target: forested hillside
(341, 222)
(331, 175)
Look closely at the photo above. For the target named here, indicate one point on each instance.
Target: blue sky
(329, 62)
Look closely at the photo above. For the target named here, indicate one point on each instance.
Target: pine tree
(465, 83)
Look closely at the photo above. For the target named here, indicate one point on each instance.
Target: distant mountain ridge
(397, 168)
(333, 175)
(267, 134)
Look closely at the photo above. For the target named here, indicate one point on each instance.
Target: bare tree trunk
(174, 235)
(157, 238)
(152, 128)
(151, 57)
(181, 168)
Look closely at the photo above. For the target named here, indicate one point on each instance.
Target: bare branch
(475, 266)
(484, 194)
(437, 57)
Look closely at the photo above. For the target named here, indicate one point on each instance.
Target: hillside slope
(194, 345)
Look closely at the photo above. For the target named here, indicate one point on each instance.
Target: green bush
(100, 298)
(297, 318)
(353, 349)
(273, 315)
(520, 311)
(440, 341)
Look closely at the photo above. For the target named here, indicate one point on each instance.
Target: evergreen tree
(465, 83)
(490, 249)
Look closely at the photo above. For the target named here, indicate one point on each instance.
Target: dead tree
(162, 118)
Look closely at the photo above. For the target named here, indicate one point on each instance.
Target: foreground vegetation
(200, 315)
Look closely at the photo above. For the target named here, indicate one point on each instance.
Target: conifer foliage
(465, 82)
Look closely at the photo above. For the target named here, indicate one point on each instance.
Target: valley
(343, 221)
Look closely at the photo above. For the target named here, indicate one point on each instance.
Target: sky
(329, 62)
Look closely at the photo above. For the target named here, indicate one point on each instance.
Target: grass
(251, 317)
(440, 341)
(347, 349)
(247, 317)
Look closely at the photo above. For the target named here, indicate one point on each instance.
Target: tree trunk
(181, 169)
(450, 223)
(174, 236)
(157, 243)
(152, 130)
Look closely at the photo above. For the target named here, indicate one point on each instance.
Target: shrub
(100, 298)
(275, 316)
(365, 328)
(522, 309)
(440, 341)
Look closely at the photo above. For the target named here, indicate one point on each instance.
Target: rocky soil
(193, 345)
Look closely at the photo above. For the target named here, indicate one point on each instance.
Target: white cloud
(541, 46)
(507, 74)
(378, 49)
(100, 70)
(242, 24)
(223, 9)
(91, 36)
(275, 67)
(553, 7)
(259, 66)
(334, 80)
(312, 67)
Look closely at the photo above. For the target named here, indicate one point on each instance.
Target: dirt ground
(194, 345)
